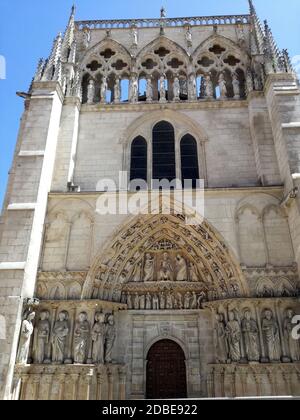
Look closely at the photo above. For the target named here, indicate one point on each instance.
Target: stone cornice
(229, 190)
(182, 106)
(166, 22)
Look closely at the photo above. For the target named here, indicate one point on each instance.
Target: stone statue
(148, 301)
(91, 92)
(137, 272)
(149, 90)
(166, 269)
(110, 338)
(117, 91)
(293, 345)
(251, 338)
(179, 301)
(155, 302)
(194, 275)
(149, 268)
(208, 88)
(86, 37)
(222, 86)
(129, 301)
(162, 89)
(201, 299)
(136, 301)
(192, 88)
(81, 338)
(98, 335)
(236, 86)
(189, 38)
(181, 266)
(187, 300)
(25, 337)
(169, 301)
(134, 36)
(249, 82)
(142, 302)
(176, 89)
(134, 90)
(162, 301)
(42, 334)
(221, 340)
(193, 304)
(59, 337)
(233, 334)
(271, 335)
(103, 90)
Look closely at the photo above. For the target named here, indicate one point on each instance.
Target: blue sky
(28, 28)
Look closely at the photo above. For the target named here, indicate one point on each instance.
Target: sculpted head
(62, 316)
(110, 320)
(44, 315)
(231, 316)
(248, 315)
(290, 313)
(268, 314)
(31, 316)
(99, 317)
(82, 316)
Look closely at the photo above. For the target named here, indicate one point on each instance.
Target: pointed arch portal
(160, 254)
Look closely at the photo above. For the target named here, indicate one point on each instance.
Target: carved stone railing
(168, 22)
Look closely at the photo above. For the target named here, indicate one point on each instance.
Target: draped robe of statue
(181, 266)
(221, 343)
(41, 339)
(149, 268)
(110, 337)
(166, 270)
(81, 339)
(251, 339)
(233, 333)
(59, 339)
(25, 337)
(271, 334)
(98, 334)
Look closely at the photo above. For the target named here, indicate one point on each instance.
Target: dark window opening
(189, 161)
(164, 164)
(138, 166)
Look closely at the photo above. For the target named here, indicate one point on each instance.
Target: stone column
(110, 380)
(122, 383)
(61, 392)
(24, 382)
(75, 379)
(100, 380)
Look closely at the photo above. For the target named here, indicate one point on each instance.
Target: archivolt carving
(146, 250)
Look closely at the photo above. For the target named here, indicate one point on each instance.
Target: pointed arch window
(189, 160)
(138, 166)
(163, 146)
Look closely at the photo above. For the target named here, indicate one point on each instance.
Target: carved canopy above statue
(157, 254)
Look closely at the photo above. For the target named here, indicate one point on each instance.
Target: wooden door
(166, 371)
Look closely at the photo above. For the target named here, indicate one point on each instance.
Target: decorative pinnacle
(252, 8)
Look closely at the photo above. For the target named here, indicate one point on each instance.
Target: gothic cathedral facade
(119, 305)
